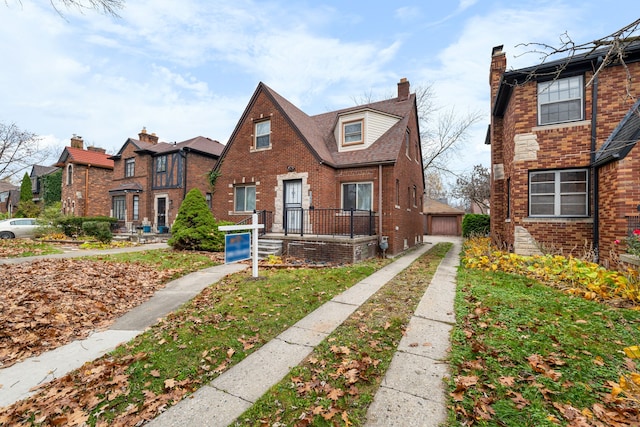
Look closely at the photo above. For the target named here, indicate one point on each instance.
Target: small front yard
(13, 248)
(531, 354)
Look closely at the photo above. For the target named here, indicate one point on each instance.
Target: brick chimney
(403, 89)
(498, 67)
(143, 136)
(96, 149)
(76, 141)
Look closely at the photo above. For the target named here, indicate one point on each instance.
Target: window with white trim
(560, 100)
(357, 196)
(161, 163)
(244, 198)
(562, 193)
(263, 134)
(352, 133)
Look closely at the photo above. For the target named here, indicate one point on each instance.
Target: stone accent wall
(524, 243)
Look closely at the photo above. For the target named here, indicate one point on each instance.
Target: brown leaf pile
(47, 303)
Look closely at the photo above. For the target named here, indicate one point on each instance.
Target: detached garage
(442, 219)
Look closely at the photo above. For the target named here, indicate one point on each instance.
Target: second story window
(263, 134)
(129, 167)
(161, 164)
(352, 133)
(560, 101)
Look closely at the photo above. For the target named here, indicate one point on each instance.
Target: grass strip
(220, 327)
(180, 262)
(526, 354)
(18, 248)
(336, 383)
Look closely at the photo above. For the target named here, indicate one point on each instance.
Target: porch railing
(633, 223)
(319, 222)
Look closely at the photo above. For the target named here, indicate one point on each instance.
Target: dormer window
(352, 133)
(263, 134)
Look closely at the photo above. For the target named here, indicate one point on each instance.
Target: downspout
(380, 201)
(184, 173)
(86, 191)
(594, 169)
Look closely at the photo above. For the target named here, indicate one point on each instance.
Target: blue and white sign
(237, 247)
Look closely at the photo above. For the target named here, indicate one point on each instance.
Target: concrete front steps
(268, 247)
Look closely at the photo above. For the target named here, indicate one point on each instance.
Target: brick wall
(562, 146)
(82, 198)
(290, 158)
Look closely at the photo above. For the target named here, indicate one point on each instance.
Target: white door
(293, 206)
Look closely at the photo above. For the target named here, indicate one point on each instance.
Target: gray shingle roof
(623, 138)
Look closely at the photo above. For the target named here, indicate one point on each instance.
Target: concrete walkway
(412, 392)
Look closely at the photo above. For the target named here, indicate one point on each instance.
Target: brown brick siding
(243, 165)
(562, 147)
(83, 198)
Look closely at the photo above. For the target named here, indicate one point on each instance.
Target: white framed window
(357, 196)
(161, 164)
(129, 167)
(263, 134)
(407, 146)
(352, 133)
(560, 100)
(562, 193)
(244, 198)
(208, 197)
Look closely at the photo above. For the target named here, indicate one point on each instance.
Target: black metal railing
(319, 222)
(329, 222)
(633, 223)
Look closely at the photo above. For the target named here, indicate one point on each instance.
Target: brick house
(38, 172)
(7, 197)
(85, 178)
(565, 174)
(330, 185)
(151, 179)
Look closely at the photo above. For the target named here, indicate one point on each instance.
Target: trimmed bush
(72, 225)
(195, 228)
(99, 229)
(475, 225)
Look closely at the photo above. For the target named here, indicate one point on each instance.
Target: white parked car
(18, 227)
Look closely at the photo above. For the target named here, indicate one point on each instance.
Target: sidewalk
(412, 392)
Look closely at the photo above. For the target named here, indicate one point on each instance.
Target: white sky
(187, 68)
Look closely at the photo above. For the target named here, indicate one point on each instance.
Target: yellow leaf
(635, 377)
(632, 352)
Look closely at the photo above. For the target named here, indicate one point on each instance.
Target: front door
(293, 206)
(161, 210)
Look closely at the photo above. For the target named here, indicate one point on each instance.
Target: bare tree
(107, 7)
(434, 187)
(445, 140)
(19, 150)
(611, 48)
(474, 188)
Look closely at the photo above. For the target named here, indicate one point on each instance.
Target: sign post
(235, 248)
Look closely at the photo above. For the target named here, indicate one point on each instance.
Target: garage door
(444, 226)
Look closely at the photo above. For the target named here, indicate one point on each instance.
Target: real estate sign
(237, 247)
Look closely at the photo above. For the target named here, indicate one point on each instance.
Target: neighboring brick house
(86, 176)
(151, 179)
(7, 190)
(565, 170)
(329, 185)
(38, 172)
